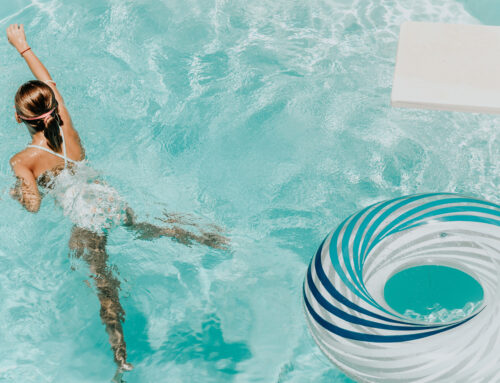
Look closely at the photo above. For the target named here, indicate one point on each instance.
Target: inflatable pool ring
(344, 291)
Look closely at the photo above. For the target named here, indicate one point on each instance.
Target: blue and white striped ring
(355, 327)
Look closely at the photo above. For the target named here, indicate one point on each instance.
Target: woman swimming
(54, 162)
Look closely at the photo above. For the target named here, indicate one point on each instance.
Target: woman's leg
(148, 231)
(92, 247)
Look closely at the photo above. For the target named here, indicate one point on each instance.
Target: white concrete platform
(448, 67)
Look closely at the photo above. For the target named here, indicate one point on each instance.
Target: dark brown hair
(33, 99)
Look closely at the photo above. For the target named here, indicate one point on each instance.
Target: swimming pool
(271, 118)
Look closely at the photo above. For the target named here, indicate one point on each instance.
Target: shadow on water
(185, 345)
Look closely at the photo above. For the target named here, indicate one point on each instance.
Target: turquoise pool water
(271, 118)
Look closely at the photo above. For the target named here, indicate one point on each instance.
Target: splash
(86, 199)
(442, 315)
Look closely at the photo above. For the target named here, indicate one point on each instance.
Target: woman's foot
(118, 378)
(126, 367)
(121, 359)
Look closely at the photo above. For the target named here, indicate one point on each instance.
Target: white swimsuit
(87, 201)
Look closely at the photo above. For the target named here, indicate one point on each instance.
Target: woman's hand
(16, 36)
(16, 191)
(15, 194)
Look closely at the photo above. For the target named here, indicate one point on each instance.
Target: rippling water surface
(271, 118)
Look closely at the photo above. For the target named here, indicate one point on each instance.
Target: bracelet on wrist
(23, 52)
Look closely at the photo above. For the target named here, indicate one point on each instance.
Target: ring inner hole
(433, 293)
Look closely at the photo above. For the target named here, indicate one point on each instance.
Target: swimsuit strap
(63, 156)
(49, 151)
(63, 145)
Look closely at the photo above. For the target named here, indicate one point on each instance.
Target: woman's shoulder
(26, 159)
(22, 158)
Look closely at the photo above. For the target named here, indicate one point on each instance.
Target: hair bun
(51, 132)
(48, 120)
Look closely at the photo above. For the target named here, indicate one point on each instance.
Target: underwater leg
(92, 247)
(149, 231)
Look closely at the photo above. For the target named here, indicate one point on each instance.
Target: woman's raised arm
(17, 37)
